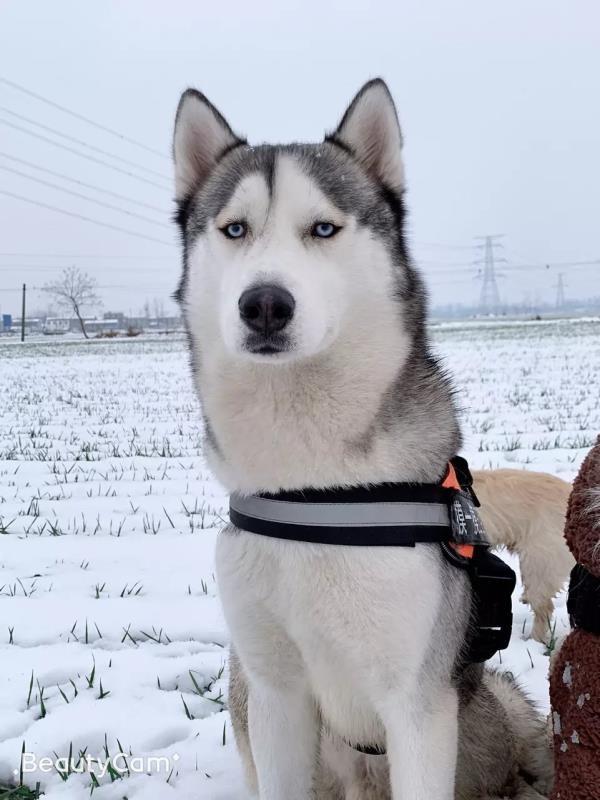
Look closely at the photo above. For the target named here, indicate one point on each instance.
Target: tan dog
(525, 512)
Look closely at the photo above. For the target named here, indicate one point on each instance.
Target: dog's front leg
(422, 745)
(284, 736)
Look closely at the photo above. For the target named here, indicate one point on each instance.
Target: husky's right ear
(371, 131)
(201, 137)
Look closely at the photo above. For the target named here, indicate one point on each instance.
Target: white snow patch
(112, 633)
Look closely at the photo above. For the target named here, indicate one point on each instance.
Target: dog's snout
(267, 308)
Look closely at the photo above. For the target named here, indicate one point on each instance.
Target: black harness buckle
(492, 583)
(492, 580)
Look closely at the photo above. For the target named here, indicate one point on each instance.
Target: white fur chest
(353, 622)
(311, 423)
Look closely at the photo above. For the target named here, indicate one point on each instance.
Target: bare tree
(74, 290)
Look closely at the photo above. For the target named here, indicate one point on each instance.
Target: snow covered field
(111, 634)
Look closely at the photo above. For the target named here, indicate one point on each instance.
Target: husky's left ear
(201, 136)
(371, 131)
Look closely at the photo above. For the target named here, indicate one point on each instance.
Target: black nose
(267, 308)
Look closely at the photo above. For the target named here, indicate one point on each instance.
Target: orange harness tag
(451, 482)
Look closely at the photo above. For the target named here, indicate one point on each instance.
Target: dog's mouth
(267, 346)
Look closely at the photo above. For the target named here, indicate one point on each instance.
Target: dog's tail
(530, 733)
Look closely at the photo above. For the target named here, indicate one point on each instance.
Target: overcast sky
(499, 103)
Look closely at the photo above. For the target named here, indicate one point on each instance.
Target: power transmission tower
(489, 300)
(560, 291)
(23, 312)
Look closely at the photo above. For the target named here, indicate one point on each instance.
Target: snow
(111, 633)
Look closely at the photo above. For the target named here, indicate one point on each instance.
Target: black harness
(398, 515)
(385, 515)
(583, 602)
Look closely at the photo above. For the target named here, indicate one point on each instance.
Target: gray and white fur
(306, 321)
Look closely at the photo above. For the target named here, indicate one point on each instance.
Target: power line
(81, 155)
(76, 115)
(18, 290)
(86, 219)
(443, 264)
(117, 286)
(84, 197)
(135, 286)
(456, 267)
(435, 280)
(439, 276)
(131, 268)
(78, 255)
(566, 264)
(441, 245)
(161, 267)
(83, 143)
(83, 183)
(449, 272)
(462, 265)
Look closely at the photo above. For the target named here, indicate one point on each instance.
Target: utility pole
(23, 313)
(489, 300)
(560, 291)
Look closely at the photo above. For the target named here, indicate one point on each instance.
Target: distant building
(116, 322)
(32, 324)
(156, 324)
(119, 316)
(58, 325)
(104, 325)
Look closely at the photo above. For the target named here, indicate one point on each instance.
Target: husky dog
(306, 320)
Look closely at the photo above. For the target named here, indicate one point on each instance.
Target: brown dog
(575, 673)
(525, 512)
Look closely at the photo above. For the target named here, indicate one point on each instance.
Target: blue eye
(324, 230)
(235, 230)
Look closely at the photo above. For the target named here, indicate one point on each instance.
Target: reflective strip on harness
(378, 523)
(351, 515)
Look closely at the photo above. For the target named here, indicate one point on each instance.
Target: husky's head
(287, 248)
